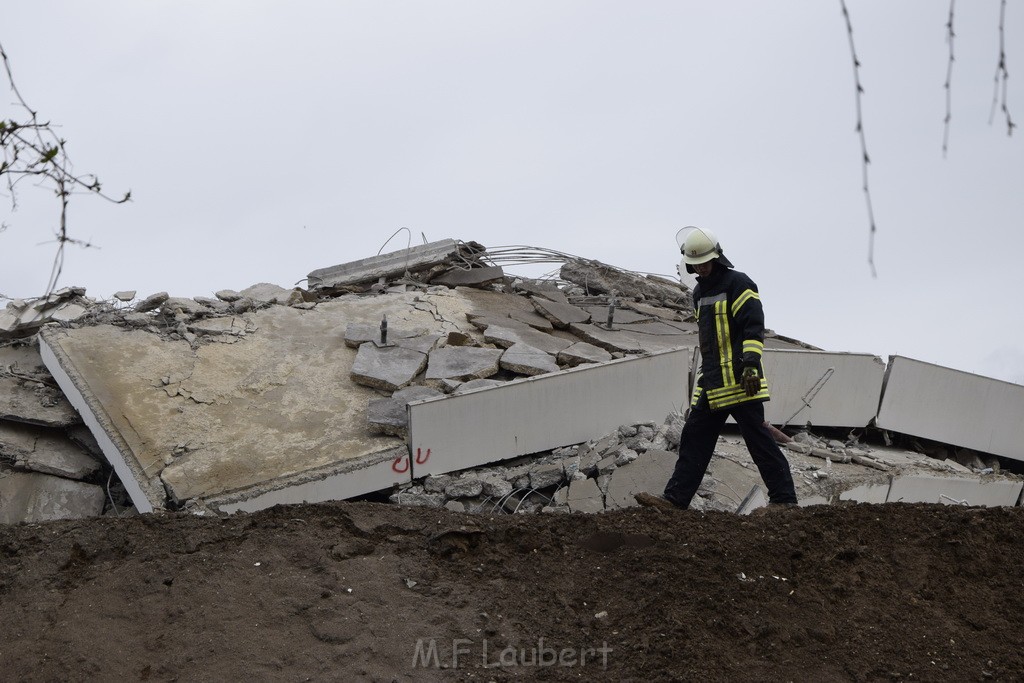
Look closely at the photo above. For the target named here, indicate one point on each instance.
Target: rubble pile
(330, 371)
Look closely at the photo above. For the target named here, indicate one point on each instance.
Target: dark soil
(363, 591)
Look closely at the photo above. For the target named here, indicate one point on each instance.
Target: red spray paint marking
(422, 458)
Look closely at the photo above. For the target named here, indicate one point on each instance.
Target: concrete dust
(367, 591)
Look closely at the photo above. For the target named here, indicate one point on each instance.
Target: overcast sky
(263, 140)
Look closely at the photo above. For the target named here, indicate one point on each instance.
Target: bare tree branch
(1002, 75)
(865, 159)
(949, 80)
(31, 149)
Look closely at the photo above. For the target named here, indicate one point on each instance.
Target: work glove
(751, 380)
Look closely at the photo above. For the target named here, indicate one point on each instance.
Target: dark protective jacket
(730, 322)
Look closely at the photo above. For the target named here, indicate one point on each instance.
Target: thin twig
(949, 80)
(865, 159)
(1002, 75)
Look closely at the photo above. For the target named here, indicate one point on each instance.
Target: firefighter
(730, 381)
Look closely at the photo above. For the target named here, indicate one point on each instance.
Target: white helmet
(699, 246)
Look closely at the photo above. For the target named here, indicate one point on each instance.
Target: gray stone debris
(388, 367)
(34, 497)
(527, 360)
(511, 333)
(585, 496)
(473, 384)
(28, 392)
(125, 295)
(389, 415)
(44, 450)
(561, 315)
(464, 487)
(462, 363)
(473, 277)
(547, 475)
(582, 352)
(152, 302)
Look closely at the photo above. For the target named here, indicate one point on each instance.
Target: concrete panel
(867, 493)
(373, 473)
(953, 407)
(383, 265)
(544, 412)
(923, 488)
(210, 421)
(32, 497)
(848, 398)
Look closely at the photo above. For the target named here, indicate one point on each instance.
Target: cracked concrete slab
(524, 359)
(291, 377)
(45, 450)
(28, 392)
(582, 352)
(462, 363)
(33, 497)
(510, 333)
(560, 314)
(387, 367)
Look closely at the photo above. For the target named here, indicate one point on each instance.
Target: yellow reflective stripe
(743, 298)
(724, 342)
(752, 345)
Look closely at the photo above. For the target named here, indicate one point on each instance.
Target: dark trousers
(697, 444)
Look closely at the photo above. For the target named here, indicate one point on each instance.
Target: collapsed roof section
(378, 374)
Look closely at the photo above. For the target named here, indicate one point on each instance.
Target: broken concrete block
(649, 472)
(597, 278)
(585, 496)
(423, 343)
(477, 384)
(462, 363)
(44, 450)
(387, 265)
(465, 487)
(456, 277)
(125, 295)
(28, 392)
(436, 483)
(228, 295)
(151, 302)
(543, 476)
(33, 497)
(432, 500)
(582, 352)
(389, 416)
(267, 293)
(67, 313)
(540, 288)
(527, 360)
(495, 487)
(188, 307)
(388, 367)
(561, 315)
(510, 333)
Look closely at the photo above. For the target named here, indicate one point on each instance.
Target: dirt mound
(365, 591)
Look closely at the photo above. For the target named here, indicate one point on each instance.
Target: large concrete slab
(384, 265)
(32, 497)
(45, 450)
(255, 419)
(27, 390)
(544, 412)
(952, 490)
(848, 387)
(953, 407)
